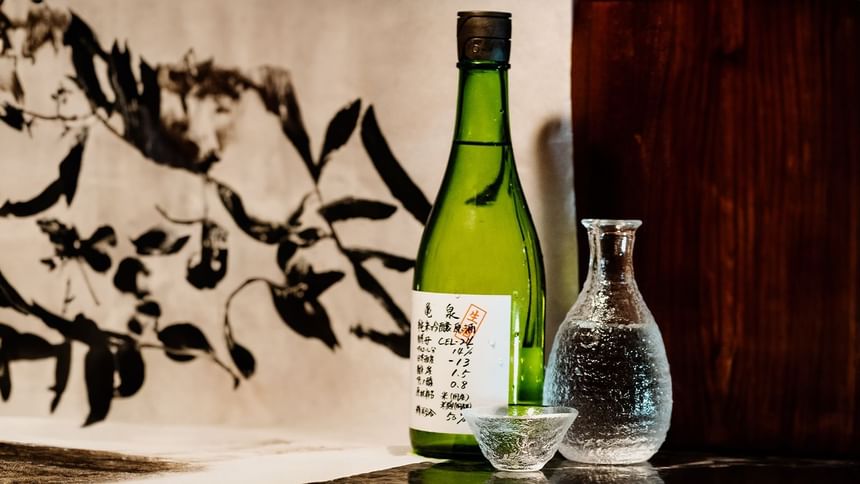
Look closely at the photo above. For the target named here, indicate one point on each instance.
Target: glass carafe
(608, 360)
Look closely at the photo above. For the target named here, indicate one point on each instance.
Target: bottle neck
(611, 257)
(482, 103)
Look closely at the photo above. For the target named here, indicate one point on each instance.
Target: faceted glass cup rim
(501, 412)
(609, 224)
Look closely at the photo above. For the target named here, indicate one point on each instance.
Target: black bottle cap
(484, 36)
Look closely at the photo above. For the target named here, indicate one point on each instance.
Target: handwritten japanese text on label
(459, 357)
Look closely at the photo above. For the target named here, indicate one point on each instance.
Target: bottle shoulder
(478, 243)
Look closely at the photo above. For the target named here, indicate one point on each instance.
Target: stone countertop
(49, 451)
(665, 467)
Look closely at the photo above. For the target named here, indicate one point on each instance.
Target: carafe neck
(610, 294)
(611, 246)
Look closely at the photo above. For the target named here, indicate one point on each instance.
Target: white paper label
(460, 356)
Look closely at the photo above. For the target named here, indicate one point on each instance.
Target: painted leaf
(391, 261)
(312, 283)
(150, 241)
(294, 219)
(28, 346)
(80, 37)
(339, 130)
(150, 96)
(5, 25)
(398, 343)
(7, 333)
(41, 202)
(5, 379)
(70, 170)
(50, 319)
(125, 89)
(149, 308)
(369, 284)
(304, 315)
(98, 260)
(85, 330)
(266, 232)
(209, 270)
(395, 177)
(63, 237)
(242, 358)
(127, 277)
(286, 250)
(91, 250)
(182, 338)
(9, 297)
(98, 375)
(276, 90)
(13, 117)
(349, 208)
(310, 236)
(17, 88)
(294, 128)
(63, 353)
(105, 234)
(209, 266)
(134, 326)
(318, 283)
(98, 363)
(158, 241)
(66, 241)
(130, 367)
(80, 329)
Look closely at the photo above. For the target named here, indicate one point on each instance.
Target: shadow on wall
(557, 223)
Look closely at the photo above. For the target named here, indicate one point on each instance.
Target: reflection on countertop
(665, 467)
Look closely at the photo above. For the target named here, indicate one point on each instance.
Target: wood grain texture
(732, 129)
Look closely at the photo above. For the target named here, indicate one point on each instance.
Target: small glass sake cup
(519, 438)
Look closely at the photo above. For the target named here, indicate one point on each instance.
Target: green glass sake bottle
(478, 301)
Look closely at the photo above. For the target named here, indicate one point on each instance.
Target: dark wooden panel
(732, 129)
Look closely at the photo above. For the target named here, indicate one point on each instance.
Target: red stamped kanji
(469, 324)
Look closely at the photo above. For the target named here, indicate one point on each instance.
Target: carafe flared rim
(611, 225)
